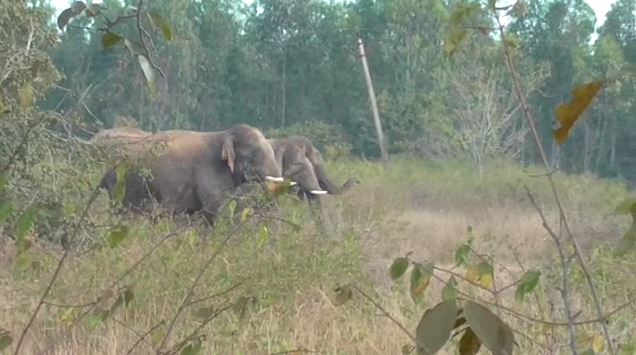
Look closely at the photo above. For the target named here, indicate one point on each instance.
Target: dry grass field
(277, 284)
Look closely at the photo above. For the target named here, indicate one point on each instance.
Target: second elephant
(302, 163)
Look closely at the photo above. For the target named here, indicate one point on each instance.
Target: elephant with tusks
(192, 171)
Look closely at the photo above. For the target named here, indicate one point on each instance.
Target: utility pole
(374, 104)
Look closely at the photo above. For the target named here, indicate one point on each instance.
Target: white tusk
(275, 179)
(292, 183)
(318, 192)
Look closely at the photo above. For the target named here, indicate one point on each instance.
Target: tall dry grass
(417, 206)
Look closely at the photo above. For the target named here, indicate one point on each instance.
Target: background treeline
(293, 66)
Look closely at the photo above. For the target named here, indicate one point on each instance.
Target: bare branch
(579, 255)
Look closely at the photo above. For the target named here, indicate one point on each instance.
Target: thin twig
(199, 327)
(188, 295)
(384, 312)
(134, 266)
(535, 296)
(565, 292)
(144, 335)
(58, 305)
(232, 288)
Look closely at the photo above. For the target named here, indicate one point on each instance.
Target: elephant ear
(228, 154)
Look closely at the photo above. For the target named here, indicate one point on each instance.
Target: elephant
(117, 143)
(302, 163)
(195, 171)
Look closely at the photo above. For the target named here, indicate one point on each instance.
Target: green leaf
(110, 39)
(398, 268)
(117, 235)
(246, 214)
(64, 18)
(25, 223)
(263, 236)
(528, 283)
(161, 24)
(119, 190)
(435, 327)
(449, 292)
(486, 274)
(490, 329)
(628, 242)
(461, 254)
(124, 298)
(128, 296)
(232, 207)
(6, 208)
(193, 348)
(343, 295)
(626, 206)
(469, 344)
(5, 339)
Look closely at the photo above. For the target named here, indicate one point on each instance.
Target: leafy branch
(140, 49)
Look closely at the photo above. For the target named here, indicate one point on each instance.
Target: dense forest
(293, 65)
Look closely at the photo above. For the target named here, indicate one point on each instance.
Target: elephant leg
(210, 190)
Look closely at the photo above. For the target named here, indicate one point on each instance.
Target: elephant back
(118, 143)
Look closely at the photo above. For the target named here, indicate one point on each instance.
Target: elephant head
(303, 163)
(249, 156)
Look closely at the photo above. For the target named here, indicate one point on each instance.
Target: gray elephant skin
(194, 171)
(302, 163)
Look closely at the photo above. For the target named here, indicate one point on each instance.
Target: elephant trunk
(327, 185)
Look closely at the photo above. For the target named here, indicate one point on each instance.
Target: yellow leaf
(598, 343)
(472, 273)
(567, 114)
(486, 280)
(69, 316)
(421, 286)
